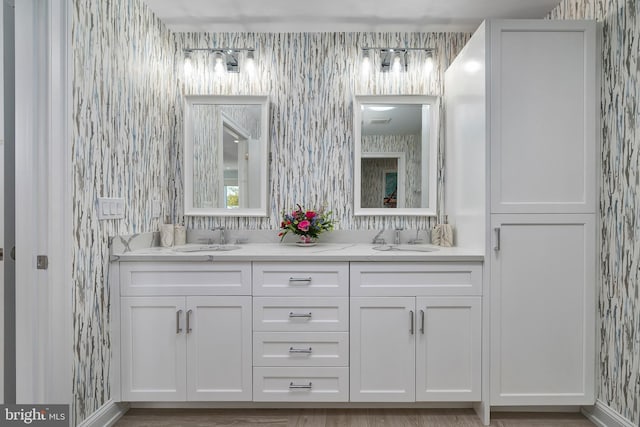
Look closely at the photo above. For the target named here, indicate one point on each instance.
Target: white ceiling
(340, 15)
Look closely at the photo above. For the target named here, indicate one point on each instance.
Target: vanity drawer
(301, 278)
(185, 278)
(298, 314)
(301, 384)
(416, 279)
(301, 349)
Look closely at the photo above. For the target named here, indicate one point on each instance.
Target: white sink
(406, 248)
(205, 248)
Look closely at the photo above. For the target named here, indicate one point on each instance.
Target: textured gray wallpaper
(311, 79)
(124, 100)
(618, 295)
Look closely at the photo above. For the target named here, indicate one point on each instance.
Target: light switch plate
(156, 209)
(110, 208)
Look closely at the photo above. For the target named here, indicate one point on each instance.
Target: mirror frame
(432, 138)
(190, 101)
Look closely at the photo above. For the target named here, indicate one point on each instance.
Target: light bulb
(397, 66)
(250, 62)
(428, 63)
(188, 62)
(219, 63)
(366, 62)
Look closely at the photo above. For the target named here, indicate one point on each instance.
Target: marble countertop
(290, 252)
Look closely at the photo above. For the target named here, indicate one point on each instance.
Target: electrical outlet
(110, 208)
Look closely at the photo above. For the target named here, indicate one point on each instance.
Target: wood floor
(341, 417)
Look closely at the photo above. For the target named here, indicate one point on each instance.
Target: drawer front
(301, 279)
(300, 314)
(185, 278)
(301, 349)
(301, 384)
(416, 279)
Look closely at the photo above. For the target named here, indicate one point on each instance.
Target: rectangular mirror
(396, 151)
(225, 155)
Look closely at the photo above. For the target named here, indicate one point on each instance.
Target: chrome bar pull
(497, 245)
(178, 328)
(303, 280)
(422, 322)
(293, 315)
(300, 350)
(293, 386)
(411, 328)
(189, 329)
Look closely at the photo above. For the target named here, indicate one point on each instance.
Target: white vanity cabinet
(522, 129)
(409, 342)
(177, 347)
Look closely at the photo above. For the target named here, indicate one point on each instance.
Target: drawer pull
(302, 280)
(293, 315)
(293, 386)
(300, 350)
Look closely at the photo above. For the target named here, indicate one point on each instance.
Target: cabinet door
(382, 338)
(448, 353)
(153, 349)
(219, 348)
(543, 310)
(544, 117)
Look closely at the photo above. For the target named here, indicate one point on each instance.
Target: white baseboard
(603, 416)
(106, 415)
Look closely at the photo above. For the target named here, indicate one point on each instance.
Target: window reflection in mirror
(396, 147)
(225, 156)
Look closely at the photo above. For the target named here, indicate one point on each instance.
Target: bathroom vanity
(342, 323)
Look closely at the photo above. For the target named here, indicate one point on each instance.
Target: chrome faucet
(223, 240)
(396, 239)
(377, 240)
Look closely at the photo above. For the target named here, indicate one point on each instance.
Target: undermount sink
(406, 248)
(205, 248)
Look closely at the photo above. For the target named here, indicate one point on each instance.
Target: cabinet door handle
(411, 321)
(293, 386)
(422, 322)
(178, 328)
(302, 280)
(293, 315)
(189, 321)
(300, 350)
(497, 245)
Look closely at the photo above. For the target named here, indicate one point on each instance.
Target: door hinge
(1, 254)
(42, 262)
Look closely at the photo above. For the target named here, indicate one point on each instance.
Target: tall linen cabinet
(521, 108)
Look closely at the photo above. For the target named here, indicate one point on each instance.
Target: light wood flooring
(341, 417)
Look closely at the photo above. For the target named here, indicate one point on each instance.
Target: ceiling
(340, 15)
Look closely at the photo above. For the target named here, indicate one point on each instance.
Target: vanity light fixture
(396, 59)
(225, 58)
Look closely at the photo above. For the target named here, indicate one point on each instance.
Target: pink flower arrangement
(307, 223)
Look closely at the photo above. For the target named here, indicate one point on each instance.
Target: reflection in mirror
(396, 149)
(225, 156)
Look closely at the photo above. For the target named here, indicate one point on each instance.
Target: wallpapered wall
(618, 299)
(124, 96)
(127, 139)
(311, 79)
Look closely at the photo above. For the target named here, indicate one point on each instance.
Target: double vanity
(280, 323)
